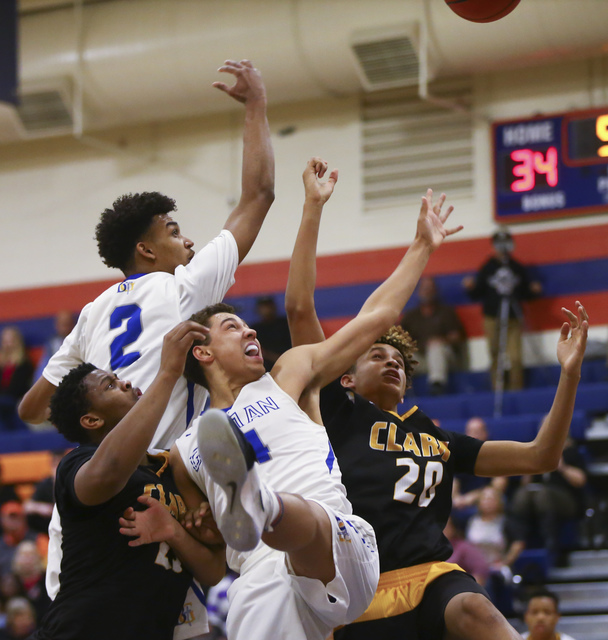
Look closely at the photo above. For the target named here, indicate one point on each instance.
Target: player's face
(380, 376)
(171, 247)
(541, 617)
(235, 347)
(110, 398)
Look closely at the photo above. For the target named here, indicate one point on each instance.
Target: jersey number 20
(433, 475)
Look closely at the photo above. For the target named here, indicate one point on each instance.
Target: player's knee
(476, 609)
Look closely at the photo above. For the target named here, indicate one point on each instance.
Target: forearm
(122, 450)
(304, 324)
(258, 156)
(549, 443)
(206, 563)
(257, 182)
(34, 406)
(396, 290)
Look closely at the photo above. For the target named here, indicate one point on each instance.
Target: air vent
(45, 110)
(387, 59)
(410, 145)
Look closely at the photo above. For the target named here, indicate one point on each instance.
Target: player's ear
(202, 353)
(146, 250)
(348, 381)
(91, 421)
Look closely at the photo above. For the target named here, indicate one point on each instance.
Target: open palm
(432, 219)
(573, 339)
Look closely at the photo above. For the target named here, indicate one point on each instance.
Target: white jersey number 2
(132, 314)
(433, 475)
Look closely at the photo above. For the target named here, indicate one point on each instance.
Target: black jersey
(398, 473)
(108, 589)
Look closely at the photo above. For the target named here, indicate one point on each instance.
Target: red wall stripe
(540, 315)
(456, 256)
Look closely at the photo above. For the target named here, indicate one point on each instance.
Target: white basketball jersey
(293, 452)
(123, 329)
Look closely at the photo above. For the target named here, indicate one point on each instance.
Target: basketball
(482, 10)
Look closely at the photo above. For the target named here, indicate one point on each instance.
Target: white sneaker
(229, 458)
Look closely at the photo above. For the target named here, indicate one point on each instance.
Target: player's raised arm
(257, 182)
(304, 325)
(504, 457)
(381, 310)
(124, 445)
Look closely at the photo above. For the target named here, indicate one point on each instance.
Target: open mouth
(252, 350)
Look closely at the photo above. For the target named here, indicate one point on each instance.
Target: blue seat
(440, 407)
(592, 397)
(520, 428)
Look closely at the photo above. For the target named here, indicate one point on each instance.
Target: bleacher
(468, 394)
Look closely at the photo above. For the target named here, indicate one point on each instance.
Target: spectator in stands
(39, 507)
(465, 554)
(20, 620)
(272, 330)
(29, 569)
(16, 371)
(500, 538)
(542, 502)
(64, 323)
(439, 335)
(501, 284)
(14, 531)
(467, 488)
(541, 616)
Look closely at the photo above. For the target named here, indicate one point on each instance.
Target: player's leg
(468, 613)
(286, 522)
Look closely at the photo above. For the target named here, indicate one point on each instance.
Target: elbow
(27, 413)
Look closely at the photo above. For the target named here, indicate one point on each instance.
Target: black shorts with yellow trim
(410, 603)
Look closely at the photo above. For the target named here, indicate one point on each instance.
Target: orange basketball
(482, 10)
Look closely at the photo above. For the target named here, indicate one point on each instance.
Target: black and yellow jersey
(108, 589)
(398, 473)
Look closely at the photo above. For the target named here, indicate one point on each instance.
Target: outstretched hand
(313, 187)
(249, 85)
(431, 221)
(155, 524)
(573, 340)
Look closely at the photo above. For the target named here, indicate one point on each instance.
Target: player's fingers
(451, 232)
(582, 311)
(333, 176)
(221, 86)
(573, 319)
(444, 215)
(147, 500)
(437, 207)
(247, 63)
(127, 531)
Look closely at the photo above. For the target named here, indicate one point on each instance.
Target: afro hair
(122, 227)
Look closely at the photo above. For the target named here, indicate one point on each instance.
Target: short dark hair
(543, 592)
(193, 370)
(70, 402)
(122, 227)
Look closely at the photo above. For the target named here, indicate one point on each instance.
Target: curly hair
(122, 227)
(397, 337)
(70, 402)
(192, 370)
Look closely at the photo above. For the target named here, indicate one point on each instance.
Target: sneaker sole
(224, 460)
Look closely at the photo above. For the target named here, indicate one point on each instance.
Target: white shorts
(269, 601)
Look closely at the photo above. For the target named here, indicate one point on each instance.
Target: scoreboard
(551, 166)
